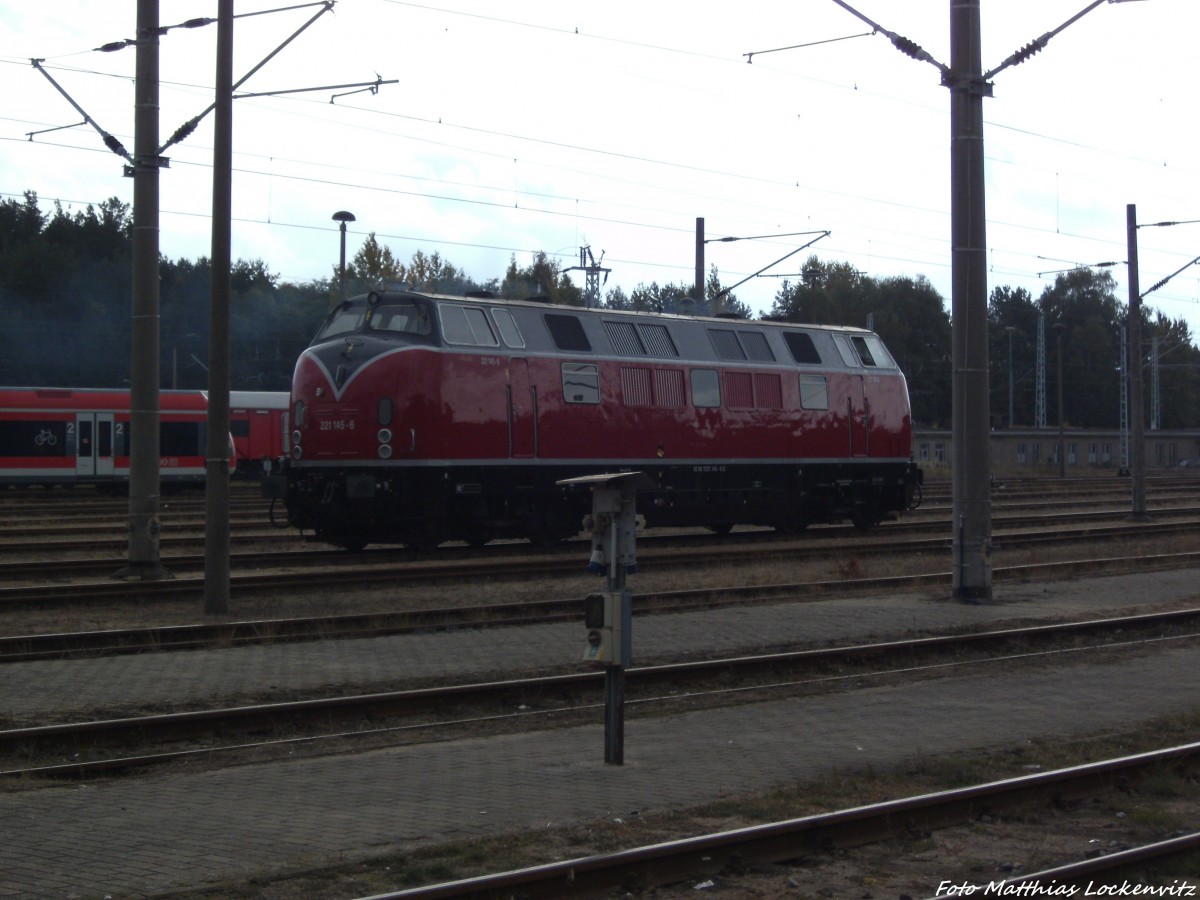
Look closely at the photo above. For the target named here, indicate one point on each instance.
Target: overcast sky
(552, 124)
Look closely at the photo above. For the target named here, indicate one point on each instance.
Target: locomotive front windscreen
(346, 318)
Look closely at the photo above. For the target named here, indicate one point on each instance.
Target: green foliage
(907, 313)
(542, 278)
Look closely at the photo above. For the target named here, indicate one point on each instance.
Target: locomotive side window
(706, 388)
(581, 382)
(567, 332)
(466, 325)
(814, 392)
(508, 328)
(800, 345)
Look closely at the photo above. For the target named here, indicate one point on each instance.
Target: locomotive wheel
(864, 520)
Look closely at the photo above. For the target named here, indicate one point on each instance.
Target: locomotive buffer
(608, 615)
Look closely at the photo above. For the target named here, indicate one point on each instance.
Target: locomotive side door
(856, 416)
(522, 411)
(93, 444)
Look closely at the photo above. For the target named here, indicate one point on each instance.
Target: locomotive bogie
(461, 427)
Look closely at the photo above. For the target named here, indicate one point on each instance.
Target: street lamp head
(342, 216)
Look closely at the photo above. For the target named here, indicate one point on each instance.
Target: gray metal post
(1137, 439)
(144, 524)
(972, 454)
(216, 506)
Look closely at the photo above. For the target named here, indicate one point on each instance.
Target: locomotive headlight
(385, 451)
(296, 451)
(296, 437)
(385, 435)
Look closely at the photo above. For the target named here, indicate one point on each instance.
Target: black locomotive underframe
(424, 505)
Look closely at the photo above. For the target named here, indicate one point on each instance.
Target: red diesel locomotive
(422, 418)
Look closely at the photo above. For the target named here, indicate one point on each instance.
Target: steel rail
(23, 648)
(185, 586)
(516, 692)
(669, 862)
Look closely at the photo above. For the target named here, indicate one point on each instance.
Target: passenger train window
(508, 328)
(467, 326)
(567, 332)
(814, 392)
(800, 345)
(581, 383)
(706, 388)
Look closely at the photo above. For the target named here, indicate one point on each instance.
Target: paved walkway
(164, 832)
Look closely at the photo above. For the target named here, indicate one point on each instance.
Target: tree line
(66, 288)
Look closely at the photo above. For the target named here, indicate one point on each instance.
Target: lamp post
(342, 217)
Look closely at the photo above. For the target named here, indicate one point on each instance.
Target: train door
(522, 411)
(93, 445)
(857, 416)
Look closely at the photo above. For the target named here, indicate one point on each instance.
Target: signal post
(608, 614)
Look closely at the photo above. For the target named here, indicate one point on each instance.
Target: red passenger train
(68, 436)
(422, 418)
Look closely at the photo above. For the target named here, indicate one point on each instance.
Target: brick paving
(165, 832)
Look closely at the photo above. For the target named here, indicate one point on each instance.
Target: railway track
(156, 739)
(27, 647)
(298, 572)
(813, 836)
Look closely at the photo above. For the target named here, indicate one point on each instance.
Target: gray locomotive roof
(692, 335)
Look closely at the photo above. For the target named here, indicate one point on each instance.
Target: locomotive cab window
(466, 326)
(508, 328)
(581, 383)
(346, 318)
(863, 350)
